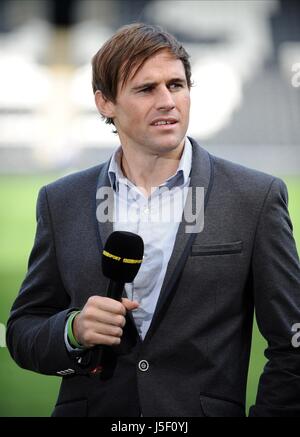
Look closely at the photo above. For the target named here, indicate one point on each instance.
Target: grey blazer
(195, 356)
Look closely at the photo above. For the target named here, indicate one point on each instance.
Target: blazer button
(143, 365)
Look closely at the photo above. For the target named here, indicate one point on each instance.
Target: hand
(101, 321)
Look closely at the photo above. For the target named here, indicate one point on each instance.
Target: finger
(107, 304)
(94, 316)
(130, 304)
(94, 338)
(111, 318)
(109, 330)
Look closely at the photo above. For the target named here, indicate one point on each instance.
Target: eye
(146, 89)
(175, 85)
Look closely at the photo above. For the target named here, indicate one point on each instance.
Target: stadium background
(246, 107)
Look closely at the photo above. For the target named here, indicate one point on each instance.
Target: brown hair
(126, 52)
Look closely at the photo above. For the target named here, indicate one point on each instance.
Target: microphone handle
(115, 290)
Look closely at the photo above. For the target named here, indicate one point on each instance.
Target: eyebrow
(153, 84)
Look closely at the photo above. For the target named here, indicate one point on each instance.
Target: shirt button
(143, 365)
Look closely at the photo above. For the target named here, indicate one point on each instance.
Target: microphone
(122, 257)
(121, 260)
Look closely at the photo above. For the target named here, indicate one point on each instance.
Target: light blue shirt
(156, 219)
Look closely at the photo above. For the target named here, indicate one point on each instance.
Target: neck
(149, 170)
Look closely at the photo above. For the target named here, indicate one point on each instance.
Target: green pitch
(25, 393)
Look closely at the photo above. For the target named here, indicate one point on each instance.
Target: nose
(165, 100)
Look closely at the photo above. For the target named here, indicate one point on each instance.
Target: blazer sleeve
(35, 328)
(276, 285)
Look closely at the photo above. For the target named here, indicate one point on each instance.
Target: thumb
(130, 304)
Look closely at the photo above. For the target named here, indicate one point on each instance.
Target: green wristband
(71, 336)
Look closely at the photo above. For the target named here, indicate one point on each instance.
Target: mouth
(164, 123)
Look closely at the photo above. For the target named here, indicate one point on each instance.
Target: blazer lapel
(104, 206)
(201, 176)
(102, 227)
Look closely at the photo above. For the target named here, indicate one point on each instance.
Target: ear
(104, 106)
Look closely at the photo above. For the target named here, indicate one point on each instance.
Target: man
(179, 342)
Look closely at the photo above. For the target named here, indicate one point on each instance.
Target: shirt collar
(181, 176)
(115, 173)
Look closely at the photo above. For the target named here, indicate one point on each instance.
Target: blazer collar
(104, 199)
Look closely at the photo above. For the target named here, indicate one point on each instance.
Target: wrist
(71, 337)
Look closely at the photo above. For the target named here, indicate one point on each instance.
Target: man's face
(156, 95)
